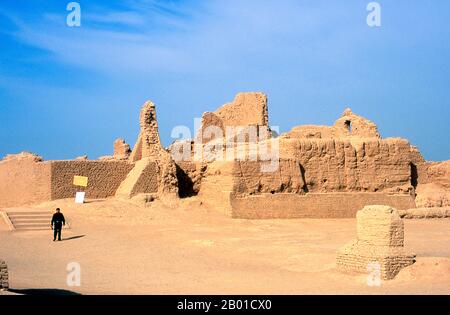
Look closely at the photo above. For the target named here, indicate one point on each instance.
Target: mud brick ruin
(4, 285)
(380, 237)
(239, 166)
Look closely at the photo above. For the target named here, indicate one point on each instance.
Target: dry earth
(128, 248)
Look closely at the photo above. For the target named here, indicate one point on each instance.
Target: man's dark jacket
(58, 220)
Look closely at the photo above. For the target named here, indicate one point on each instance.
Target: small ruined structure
(237, 165)
(247, 111)
(349, 125)
(379, 242)
(121, 150)
(4, 280)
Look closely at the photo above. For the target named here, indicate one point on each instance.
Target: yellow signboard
(80, 181)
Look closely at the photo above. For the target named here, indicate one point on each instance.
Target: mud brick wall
(356, 165)
(288, 178)
(391, 260)
(312, 205)
(104, 177)
(147, 181)
(24, 181)
(4, 280)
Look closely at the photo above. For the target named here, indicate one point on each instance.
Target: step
(32, 225)
(30, 215)
(13, 213)
(27, 227)
(37, 221)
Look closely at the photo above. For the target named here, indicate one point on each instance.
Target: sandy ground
(128, 248)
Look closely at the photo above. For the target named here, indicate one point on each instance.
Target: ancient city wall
(312, 205)
(315, 178)
(104, 177)
(24, 181)
(331, 165)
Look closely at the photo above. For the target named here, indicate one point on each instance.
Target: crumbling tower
(154, 171)
(148, 143)
(121, 150)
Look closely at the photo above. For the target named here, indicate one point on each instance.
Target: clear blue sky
(66, 92)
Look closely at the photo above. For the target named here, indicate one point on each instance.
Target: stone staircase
(28, 219)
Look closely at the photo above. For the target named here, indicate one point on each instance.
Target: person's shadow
(72, 237)
(43, 292)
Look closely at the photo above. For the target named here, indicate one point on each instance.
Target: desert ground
(128, 247)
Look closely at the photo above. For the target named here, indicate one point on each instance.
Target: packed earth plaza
(238, 209)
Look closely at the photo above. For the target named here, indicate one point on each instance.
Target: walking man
(57, 222)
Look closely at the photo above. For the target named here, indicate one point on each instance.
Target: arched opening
(348, 125)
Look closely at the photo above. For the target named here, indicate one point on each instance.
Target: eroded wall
(24, 181)
(287, 178)
(433, 184)
(332, 165)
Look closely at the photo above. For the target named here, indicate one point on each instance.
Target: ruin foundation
(380, 241)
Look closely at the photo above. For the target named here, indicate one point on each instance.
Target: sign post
(81, 181)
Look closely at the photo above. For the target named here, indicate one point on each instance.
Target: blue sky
(69, 91)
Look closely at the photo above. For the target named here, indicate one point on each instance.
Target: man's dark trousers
(57, 231)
